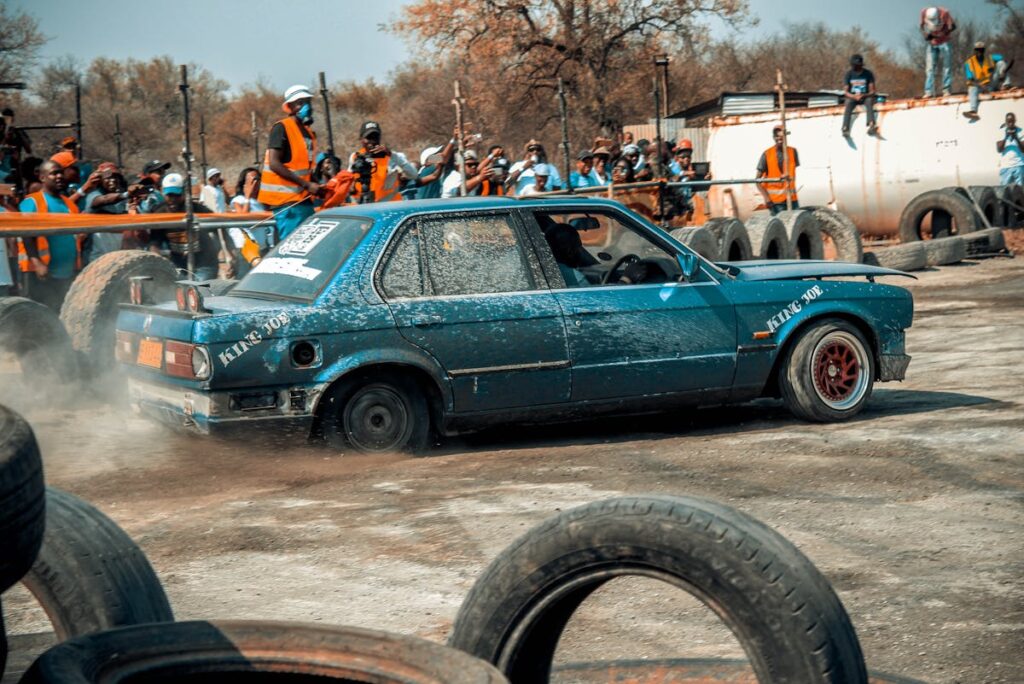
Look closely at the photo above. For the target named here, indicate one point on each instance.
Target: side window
(474, 255)
(403, 272)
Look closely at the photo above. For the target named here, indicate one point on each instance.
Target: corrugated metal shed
(747, 103)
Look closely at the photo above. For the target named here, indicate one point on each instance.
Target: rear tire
(828, 374)
(22, 498)
(376, 414)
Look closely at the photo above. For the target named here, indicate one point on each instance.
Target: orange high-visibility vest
(385, 188)
(276, 190)
(487, 189)
(42, 246)
(777, 191)
(982, 70)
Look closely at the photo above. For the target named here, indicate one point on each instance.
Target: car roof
(375, 210)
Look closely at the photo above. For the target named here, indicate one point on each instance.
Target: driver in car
(570, 255)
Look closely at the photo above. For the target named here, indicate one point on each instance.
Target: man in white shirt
(1011, 161)
(212, 194)
(521, 175)
(541, 174)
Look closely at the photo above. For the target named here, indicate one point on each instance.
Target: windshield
(301, 265)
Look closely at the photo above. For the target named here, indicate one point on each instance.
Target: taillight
(124, 350)
(135, 291)
(184, 360)
(189, 298)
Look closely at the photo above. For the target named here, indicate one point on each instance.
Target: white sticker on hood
(306, 237)
(290, 267)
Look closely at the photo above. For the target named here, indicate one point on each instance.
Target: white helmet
(297, 92)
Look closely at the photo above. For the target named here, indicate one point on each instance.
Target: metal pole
(786, 171)
(662, 61)
(78, 120)
(658, 168)
(117, 140)
(202, 147)
(327, 113)
(563, 110)
(186, 153)
(254, 132)
(457, 101)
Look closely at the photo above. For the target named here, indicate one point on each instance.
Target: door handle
(426, 321)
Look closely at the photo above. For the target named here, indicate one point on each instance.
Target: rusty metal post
(658, 170)
(458, 102)
(78, 119)
(563, 110)
(117, 141)
(254, 132)
(202, 147)
(327, 113)
(786, 171)
(186, 153)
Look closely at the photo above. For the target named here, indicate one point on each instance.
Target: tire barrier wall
(768, 238)
(844, 235)
(733, 240)
(804, 234)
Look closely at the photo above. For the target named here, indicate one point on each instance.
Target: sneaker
(846, 132)
(872, 129)
(971, 115)
(927, 95)
(946, 92)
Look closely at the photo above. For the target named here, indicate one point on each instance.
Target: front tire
(828, 374)
(375, 414)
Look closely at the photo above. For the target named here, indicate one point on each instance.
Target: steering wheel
(623, 261)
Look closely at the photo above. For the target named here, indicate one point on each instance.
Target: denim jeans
(776, 208)
(999, 79)
(290, 218)
(933, 53)
(869, 106)
(1011, 176)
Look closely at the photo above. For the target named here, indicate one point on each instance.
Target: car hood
(799, 269)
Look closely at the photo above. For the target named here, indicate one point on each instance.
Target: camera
(363, 167)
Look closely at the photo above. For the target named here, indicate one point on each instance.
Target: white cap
(931, 14)
(542, 170)
(213, 171)
(297, 92)
(173, 181)
(427, 153)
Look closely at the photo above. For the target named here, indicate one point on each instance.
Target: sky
(236, 39)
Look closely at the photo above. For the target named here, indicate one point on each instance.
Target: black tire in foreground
(952, 213)
(36, 336)
(89, 574)
(988, 202)
(907, 257)
(236, 651)
(781, 609)
(828, 372)
(22, 498)
(377, 413)
(90, 310)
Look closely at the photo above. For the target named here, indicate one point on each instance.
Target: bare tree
(20, 40)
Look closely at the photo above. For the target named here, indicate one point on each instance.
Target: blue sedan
(382, 325)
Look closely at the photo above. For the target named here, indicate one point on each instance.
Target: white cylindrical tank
(922, 145)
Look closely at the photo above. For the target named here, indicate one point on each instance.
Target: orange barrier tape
(10, 221)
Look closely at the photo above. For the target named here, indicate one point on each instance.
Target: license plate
(151, 353)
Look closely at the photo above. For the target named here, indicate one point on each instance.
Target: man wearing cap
(521, 175)
(599, 169)
(541, 173)
(207, 246)
(286, 179)
(582, 176)
(212, 194)
(477, 176)
(859, 88)
(389, 167)
(433, 161)
(937, 27)
(48, 264)
(773, 164)
(983, 72)
(151, 178)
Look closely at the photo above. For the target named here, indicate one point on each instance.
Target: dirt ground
(912, 510)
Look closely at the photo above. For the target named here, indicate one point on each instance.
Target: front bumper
(892, 366)
(244, 412)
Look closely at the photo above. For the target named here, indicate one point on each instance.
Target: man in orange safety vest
(774, 164)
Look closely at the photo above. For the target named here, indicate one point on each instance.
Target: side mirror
(689, 265)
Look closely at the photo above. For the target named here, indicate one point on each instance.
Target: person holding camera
(521, 175)
(111, 196)
(381, 170)
(1011, 156)
(287, 187)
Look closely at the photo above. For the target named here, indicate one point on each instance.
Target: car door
(465, 288)
(653, 337)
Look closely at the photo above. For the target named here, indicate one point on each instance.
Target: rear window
(301, 265)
